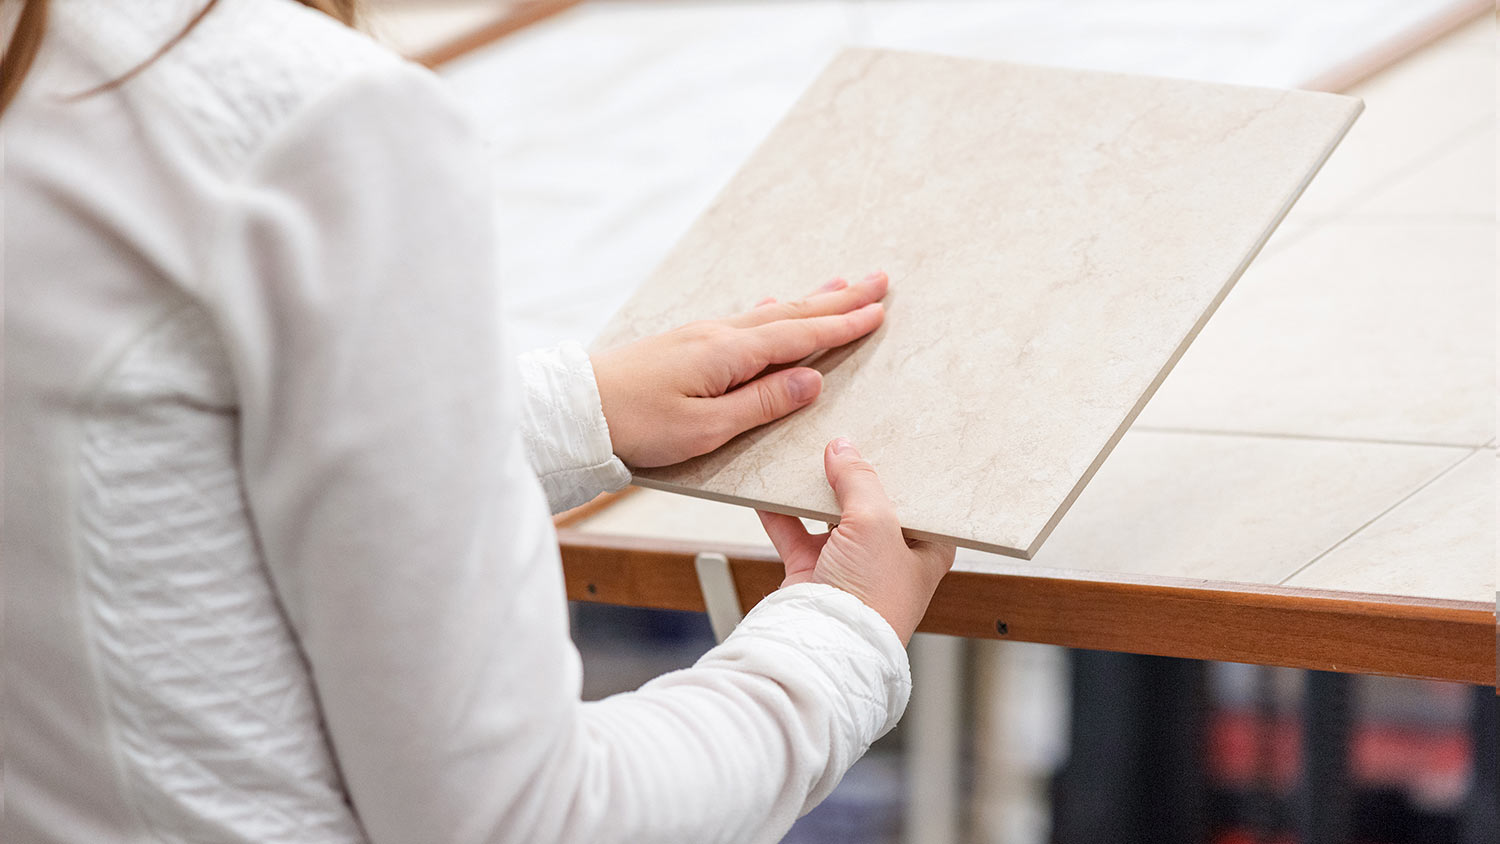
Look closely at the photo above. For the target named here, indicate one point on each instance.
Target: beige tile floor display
(1361, 329)
(1415, 519)
(1054, 238)
(1452, 520)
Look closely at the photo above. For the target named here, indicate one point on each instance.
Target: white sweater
(276, 563)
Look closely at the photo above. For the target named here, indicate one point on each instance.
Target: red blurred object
(1427, 760)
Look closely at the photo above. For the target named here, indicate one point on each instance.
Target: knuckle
(766, 397)
(795, 309)
(706, 331)
(709, 432)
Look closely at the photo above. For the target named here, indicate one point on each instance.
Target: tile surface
(1054, 240)
(1439, 543)
(1458, 182)
(1411, 112)
(1216, 508)
(1367, 330)
(1232, 508)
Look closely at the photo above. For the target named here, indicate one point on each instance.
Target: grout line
(1412, 219)
(1283, 435)
(1378, 516)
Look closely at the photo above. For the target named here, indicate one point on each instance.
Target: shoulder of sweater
(244, 71)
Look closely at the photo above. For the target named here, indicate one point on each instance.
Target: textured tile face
(1439, 543)
(1054, 239)
(1233, 508)
(1367, 330)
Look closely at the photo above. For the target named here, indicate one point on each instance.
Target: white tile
(663, 515)
(1412, 111)
(1050, 252)
(1439, 543)
(1479, 35)
(1370, 331)
(1230, 508)
(1211, 508)
(1457, 181)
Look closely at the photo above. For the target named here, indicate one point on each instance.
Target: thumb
(854, 482)
(770, 397)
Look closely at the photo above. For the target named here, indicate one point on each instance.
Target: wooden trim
(1337, 79)
(1300, 628)
(515, 16)
(1341, 78)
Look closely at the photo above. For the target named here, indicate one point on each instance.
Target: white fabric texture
(277, 564)
(567, 438)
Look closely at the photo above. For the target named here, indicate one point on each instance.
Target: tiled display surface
(1361, 329)
(1054, 238)
(1212, 507)
(1449, 524)
(1410, 535)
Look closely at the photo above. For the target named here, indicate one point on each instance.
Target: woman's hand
(687, 392)
(865, 554)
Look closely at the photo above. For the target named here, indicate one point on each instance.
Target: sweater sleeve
(562, 424)
(407, 537)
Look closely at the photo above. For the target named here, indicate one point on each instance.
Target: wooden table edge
(1268, 625)
(509, 20)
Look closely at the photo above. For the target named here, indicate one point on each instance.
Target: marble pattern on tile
(1232, 508)
(1054, 239)
(1371, 331)
(1440, 543)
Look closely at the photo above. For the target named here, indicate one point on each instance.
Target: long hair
(31, 27)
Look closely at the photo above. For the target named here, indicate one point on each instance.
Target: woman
(277, 564)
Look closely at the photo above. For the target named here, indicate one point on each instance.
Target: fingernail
(874, 279)
(803, 385)
(836, 284)
(843, 446)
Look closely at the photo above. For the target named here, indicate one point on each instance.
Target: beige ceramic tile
(1412, 111)
(1440, 543)
(1054, 239)
(1369, 331)
(1456, 182)
(662, 515)
(1230, 508)
(1215, 508)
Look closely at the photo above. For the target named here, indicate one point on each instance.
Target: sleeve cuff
(562, 424)
(851, 641)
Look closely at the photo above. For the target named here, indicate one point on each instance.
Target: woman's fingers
(835, 297)
(767, 398)
(786, 532)
(937, 554)
(854, 482)
(797, 548)
(790, 340)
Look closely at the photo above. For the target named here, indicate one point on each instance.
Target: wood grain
(1300, 628)
(514, 16)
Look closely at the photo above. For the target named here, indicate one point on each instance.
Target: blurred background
(612, 125)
